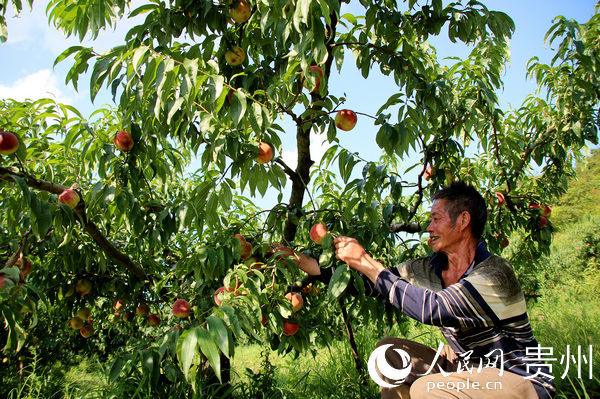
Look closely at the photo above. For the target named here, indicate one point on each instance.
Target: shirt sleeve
(459, 305)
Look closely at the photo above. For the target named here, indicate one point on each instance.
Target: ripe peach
(218, 295)
(153, 320)
(142, 310)
(181, 308)
(318, 72)
(296, 300)
(547, 211)
(265, 153)
(87, 331)
(318, 232)
(8, 143)
(345, 119)
(246, 250)
(290, 328)
(69, 197)
(123, 141)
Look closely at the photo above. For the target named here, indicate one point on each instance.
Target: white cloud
(318, 146)
(40, 84)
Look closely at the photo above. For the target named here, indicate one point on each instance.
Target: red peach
(69, 197)
(123, 141)
(318, 232)
(8, 143)
(290, 328)
(181, 308)
(345, 120)
(265, 153)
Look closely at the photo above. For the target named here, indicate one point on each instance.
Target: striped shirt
(482, 312)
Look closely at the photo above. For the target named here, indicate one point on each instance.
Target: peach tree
(167, 182)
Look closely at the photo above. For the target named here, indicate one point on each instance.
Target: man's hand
(304, 262)
(449, 354)
(348, 250)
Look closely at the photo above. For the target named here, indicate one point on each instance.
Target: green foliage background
(150, 230)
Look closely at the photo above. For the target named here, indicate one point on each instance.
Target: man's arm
(311, 266)
(459, 305)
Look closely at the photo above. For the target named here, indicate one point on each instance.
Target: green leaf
(339, 281)
(115, 369)
(187, 350)
(210, 350)
(65, 53)
(219, 332)
(138, 56)
(238, 107)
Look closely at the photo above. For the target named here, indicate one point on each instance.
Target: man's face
(442, 235)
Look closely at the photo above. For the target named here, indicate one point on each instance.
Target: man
(470, 294)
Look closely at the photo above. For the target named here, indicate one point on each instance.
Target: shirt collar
(439, 260)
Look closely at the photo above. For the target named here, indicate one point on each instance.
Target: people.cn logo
(377, 361)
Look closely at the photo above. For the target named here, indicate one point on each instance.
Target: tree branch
(108, 248)
(15, 256)
(543, 140)
(303, 142)
(288, 171)
(413, 227)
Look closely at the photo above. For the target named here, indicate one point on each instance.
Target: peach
(8, 143)
(235, 56)
(69, 197)
(345, 119)
(318, 232)
(181, 308)
(296, 300)
(123, 141)
(290, 328)
(142, 310)
(240, 11)
(83, 287)
(314, 70)
(265, 153)
(153, 320)
(87, 331)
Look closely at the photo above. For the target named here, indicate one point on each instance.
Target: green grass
(331, 371)
(568, 310)
(328, 373)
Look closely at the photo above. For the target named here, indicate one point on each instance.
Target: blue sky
(27, 57)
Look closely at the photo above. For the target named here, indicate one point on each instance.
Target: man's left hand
(348, 250)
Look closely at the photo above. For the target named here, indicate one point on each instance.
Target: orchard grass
(567, 312)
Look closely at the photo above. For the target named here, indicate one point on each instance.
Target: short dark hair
(461, 197)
